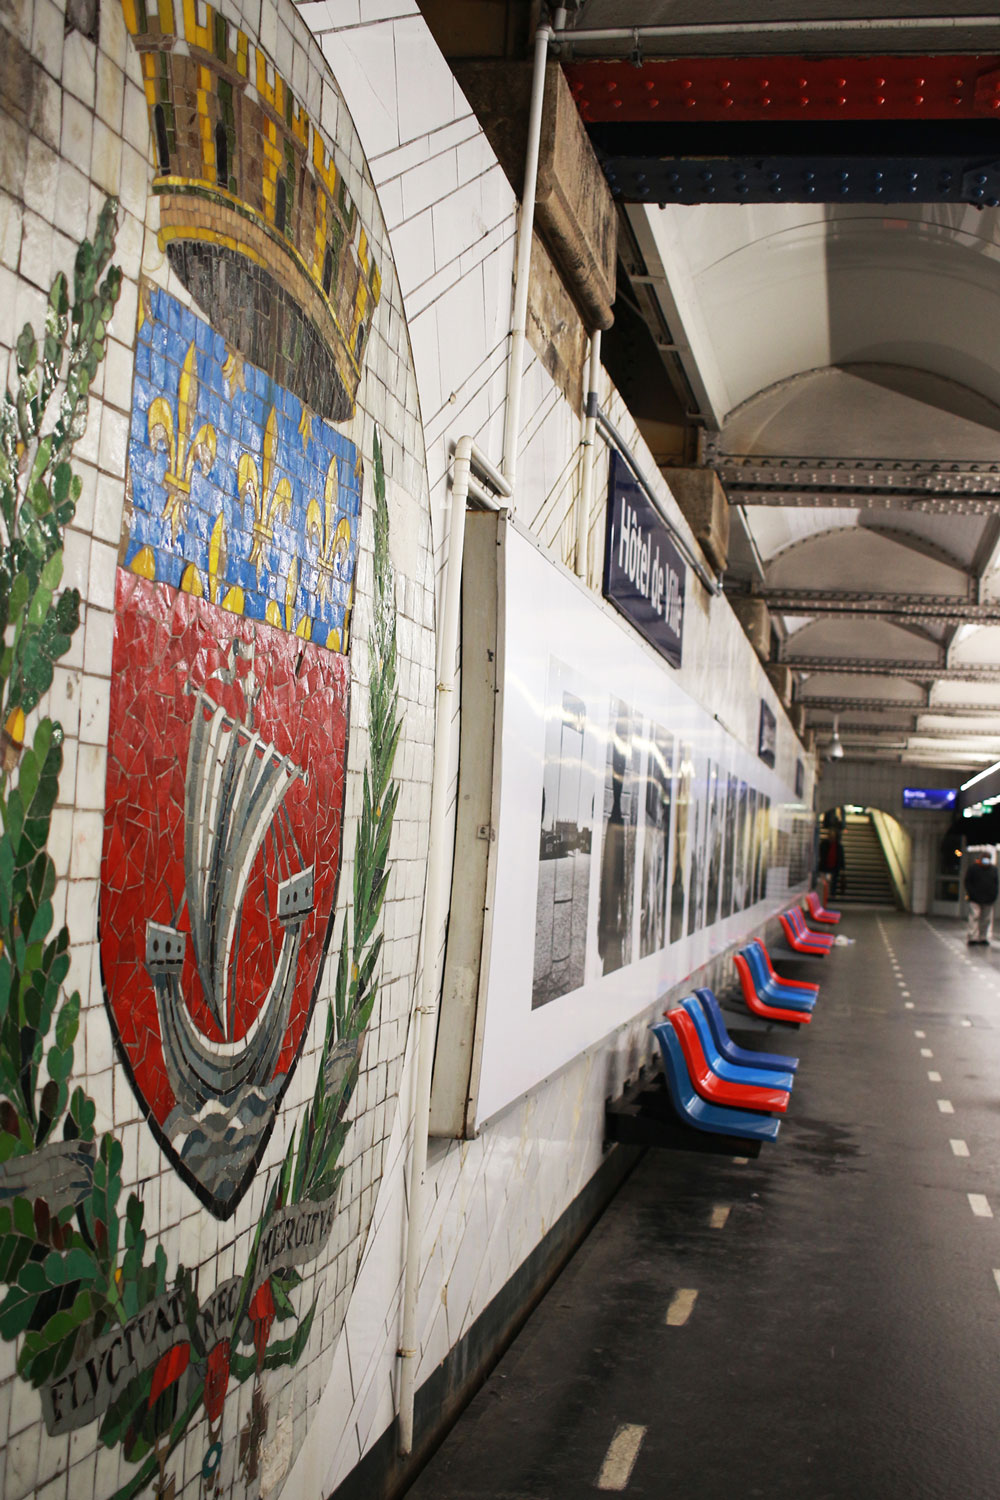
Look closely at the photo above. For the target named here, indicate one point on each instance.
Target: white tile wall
(450, 221)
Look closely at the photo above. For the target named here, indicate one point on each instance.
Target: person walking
(831, 860)
(982, 885)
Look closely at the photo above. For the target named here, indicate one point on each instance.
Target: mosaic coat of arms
(224, 825)
(228, 732)
(230, 679)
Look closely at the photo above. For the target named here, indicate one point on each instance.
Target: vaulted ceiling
(824, 248)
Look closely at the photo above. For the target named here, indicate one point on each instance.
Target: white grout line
(979, 1205)
(720, 1213)
(933, 1077)
(680, 1307)
(926, 1052)
(946, 1107)
(959, 1148)
(619, 1461)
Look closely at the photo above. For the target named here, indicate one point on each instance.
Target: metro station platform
(821, 1323)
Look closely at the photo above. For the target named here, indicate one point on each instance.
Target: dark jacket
(982, 883)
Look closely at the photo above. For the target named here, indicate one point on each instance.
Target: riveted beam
(895, 608)
(865, 483)
(868, 88)
(916, 671)
(837, 703)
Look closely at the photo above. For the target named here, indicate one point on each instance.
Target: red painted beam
(788, 88)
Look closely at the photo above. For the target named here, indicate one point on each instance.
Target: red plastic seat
(709, 1085)
(759, 1007)
(819, 913)
(802, 939)
(795, 984)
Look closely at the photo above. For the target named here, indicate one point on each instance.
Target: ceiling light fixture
(836, 748)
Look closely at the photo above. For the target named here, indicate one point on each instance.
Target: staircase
(868, 882)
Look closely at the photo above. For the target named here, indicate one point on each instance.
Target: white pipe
(522, 274)
(435, 907)
(587, 467)
(638, 34)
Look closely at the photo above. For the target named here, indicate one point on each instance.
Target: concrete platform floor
(820, 1324)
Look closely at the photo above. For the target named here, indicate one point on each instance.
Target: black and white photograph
(715, 803)
(729, 845)
(740, 856)
(621, 808)
(682, 813)
(699, 852)
(749, 845)
(765, 844)
(656, 841)
(566, 838)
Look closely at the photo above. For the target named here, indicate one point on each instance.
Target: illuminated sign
(932, 798)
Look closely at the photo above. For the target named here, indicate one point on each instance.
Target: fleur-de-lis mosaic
(210, 584)
(183, 452)
(332, 540)
(273, 615)
(269, 500)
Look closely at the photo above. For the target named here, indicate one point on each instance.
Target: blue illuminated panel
(933, 798)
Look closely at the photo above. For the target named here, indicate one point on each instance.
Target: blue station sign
(643, 571)
(932, 798)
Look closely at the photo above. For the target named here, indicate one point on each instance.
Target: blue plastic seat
(770, 989)
(734, 1072)
(718, 1119)
(731, 1049)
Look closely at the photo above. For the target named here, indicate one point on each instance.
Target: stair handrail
(897, 873)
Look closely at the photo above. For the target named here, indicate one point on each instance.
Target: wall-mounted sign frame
(767, 735)
(644, 574)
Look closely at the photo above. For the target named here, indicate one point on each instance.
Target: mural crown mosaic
(255, 214)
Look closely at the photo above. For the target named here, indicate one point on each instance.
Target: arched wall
(880, 785)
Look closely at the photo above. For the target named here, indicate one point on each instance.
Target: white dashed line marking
(979, 1205)
(933, 1077)
(908, 1005)
(619, 1461)
(946, 1107)
(680, 1307)
(906, 992)
(965, 1023)
(720, 1213)
(920, 1033)
(926, 1052)
(741, 1161)
(959, 1148)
